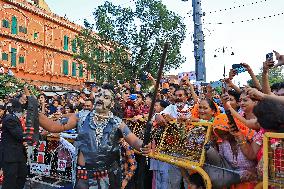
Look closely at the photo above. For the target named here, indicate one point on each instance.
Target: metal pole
(199, 51)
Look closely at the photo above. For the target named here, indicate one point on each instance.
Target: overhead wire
(234, 7)
(246, 20)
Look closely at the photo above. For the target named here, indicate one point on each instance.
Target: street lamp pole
(199, 50)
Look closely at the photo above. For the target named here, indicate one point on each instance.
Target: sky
(250, 41)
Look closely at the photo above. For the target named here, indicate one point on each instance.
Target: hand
(168, 117)
(160, 120)
(277, 55)
(150, 77)
(245, 65)
(232, 74)
(254, 93)
(267, 65)
(182, 118)
(225, 98)
(229, 82)
(280, 59)
(124, 183)
(146, 150)
(26, 90)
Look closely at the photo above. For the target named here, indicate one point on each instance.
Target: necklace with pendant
(100, 124)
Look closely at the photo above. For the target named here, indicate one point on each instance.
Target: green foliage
(10, 85)
(129, 41)
(275, 76)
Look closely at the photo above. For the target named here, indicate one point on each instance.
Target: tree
(129, 42)
(275, 76)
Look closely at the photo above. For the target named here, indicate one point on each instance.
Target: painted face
(246, 103)
(103, 101)
(205, 112)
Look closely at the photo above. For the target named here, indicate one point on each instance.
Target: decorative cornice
(44, 14)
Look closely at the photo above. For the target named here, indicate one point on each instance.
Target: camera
(269, 57)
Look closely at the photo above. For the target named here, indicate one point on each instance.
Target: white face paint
(103, 101)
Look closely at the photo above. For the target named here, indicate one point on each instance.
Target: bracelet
(242, 142)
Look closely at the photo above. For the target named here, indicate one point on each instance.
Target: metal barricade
(273, 160)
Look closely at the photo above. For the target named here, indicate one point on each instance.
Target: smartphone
(239, 68)
(144, 76)
(133, 97)
(269, 57)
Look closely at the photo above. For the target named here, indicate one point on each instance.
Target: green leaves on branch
(130, 41)
(275, 76)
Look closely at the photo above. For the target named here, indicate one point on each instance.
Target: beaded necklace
(99, 122)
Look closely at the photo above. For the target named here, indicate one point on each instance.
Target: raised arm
(130, 138)
(255, 81)
(252, 123)
(55, 127)
(193, 93)
(265, 77)
(253, 93)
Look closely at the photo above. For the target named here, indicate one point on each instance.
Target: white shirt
(173, 111)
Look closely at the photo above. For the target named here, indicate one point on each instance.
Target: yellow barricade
(273, 160)
(179, 144)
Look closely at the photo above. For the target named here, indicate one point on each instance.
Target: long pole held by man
(141, 172)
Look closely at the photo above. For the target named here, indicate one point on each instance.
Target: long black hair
(270, 115)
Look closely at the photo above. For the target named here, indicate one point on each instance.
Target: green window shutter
(23, 29)
(13, 57)
(65, 67)
(4, 56)
(74, 45)
(21, 59)
(74, 67)
(92, 76)
(5, 23)
(66, 38)
(81, 70)
(35, 35)
(14, 28)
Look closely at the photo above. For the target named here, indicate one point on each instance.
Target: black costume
(14, 156)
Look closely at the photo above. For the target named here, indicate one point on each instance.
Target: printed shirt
(245, 167)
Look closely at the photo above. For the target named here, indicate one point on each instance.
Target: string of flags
(247, 20)
(230, 8)
(239, 6)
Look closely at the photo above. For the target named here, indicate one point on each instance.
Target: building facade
(38, 45)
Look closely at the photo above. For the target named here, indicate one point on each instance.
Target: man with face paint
(97, 144)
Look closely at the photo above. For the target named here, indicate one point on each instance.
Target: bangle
(242, 142)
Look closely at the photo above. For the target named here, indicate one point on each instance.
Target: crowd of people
(99, 114)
